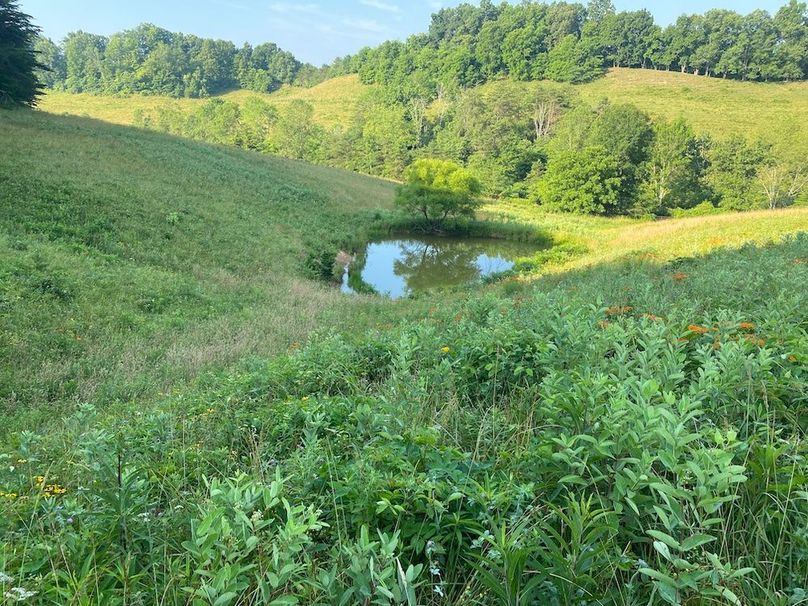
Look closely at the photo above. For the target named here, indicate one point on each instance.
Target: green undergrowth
(632, 433)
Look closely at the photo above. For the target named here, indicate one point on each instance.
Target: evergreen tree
(18, 59)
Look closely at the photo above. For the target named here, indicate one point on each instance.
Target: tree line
(568, 42)
(151, 60)
(532, 141)
(464, 46)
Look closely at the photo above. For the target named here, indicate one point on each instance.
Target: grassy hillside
(189, 416)
(132, 260)
(772, 112)
(612, 239)
(334, 102)
(129, 260)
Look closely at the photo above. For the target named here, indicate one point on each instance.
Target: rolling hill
(189, 410)
(772, 112)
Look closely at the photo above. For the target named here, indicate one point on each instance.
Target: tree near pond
(586, 182)
(18, 58)
(437, 190)
(782, 184)
(673, 170)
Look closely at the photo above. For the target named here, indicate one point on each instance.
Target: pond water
(398, 267)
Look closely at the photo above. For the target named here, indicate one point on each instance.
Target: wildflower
(445, 349)
(680, 276)
(4, 578)
(651, 317)
(39, 479)
(746, 326)
(615, 311)
(792, 359)
(604, 324)
(19, 594)
(716, 345)
(700, 330)
(22, 461)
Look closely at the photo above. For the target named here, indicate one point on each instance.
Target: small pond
(399, 267)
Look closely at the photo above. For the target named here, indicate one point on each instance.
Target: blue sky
(314, 30)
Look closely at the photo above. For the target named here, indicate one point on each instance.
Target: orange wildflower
(746, 326)
(616, 311)
(701, 330)
(680, 276)
(792, 359)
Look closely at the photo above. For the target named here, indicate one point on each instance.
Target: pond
(399, 267)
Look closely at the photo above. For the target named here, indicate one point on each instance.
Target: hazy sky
(314, 30)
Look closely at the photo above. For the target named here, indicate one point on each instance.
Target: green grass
(190, 416)
(132, 260)
(773, 113)
(334, 102)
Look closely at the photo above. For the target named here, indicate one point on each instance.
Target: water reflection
(399, 267)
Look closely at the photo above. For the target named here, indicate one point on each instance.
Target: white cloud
(295, 7)
(365, 25)
(381, 5)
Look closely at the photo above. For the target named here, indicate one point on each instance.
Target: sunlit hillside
(774, 113)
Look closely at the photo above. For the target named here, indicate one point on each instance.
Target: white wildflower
(19, 594)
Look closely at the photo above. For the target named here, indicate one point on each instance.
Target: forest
(543, 145)
(464, 46)
(459, 93)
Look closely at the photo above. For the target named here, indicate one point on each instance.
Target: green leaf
(663, 549)
(225, 598)
(697, 540)
(731, 597)
(665, 538)
(658, 576)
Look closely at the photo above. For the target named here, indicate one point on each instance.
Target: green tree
(671, 176)
(572, 60)
(437, 190)
(84, 54)
(18, 59)
(50, 56)
(732, 172)
(586, 182)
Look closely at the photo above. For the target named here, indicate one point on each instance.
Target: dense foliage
(436, 190)
(631, 435)
(544, 145)
(18, 60)
(151, 60)
(464, 46)
(569, 42)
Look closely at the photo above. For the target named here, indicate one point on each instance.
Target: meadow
(769, 112)
(192, 415)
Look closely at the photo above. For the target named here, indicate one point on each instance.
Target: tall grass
(629, 434)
